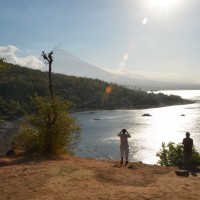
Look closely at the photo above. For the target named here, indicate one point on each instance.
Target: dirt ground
(72, 178)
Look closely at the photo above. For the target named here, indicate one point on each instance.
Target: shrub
(172, 155)
(41, 133)
(27, 139)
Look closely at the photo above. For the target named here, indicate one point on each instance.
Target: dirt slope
(72, 178)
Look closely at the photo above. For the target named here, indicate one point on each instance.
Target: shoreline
(185, 102)
(6, 134)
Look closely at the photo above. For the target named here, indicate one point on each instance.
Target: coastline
(185, 102)
(13, 125)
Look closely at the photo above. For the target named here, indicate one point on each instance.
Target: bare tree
(49, 59)
(50, 128)
(52, 116)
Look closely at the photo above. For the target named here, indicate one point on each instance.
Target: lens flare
(125, 56)
(108, 90)
(144, 21)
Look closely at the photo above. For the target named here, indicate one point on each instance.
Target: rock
(14, 153)
(10, 153)
(184, 173)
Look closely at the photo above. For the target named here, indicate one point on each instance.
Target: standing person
(124, 148)
(187, 151)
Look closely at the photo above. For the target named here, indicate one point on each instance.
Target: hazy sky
(153, 38)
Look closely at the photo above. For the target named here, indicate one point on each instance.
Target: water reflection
(99, 138)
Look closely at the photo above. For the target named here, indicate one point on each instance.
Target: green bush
(27, 139)
(172, 155)
(50, 129)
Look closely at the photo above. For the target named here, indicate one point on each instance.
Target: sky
(157, 39)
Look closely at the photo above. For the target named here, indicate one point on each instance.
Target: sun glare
(163, 3)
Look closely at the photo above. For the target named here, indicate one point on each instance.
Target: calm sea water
(99, 137)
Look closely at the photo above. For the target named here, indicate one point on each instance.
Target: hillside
(72, 178)
(17, 84)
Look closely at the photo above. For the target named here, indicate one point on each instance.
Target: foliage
(27, 139)
(11, 108)
(58, 136)
(17, 84)
(2, 60)
(172, 155)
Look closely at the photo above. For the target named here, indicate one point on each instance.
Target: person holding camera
(124, 147)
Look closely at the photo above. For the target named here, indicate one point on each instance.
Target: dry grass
(73, 178)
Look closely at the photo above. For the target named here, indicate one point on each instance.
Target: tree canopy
(18, 84)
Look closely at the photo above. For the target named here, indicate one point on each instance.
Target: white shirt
(124, 138)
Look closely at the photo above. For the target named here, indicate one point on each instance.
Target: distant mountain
(66, 63)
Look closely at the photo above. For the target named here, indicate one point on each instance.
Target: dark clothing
(187, 152)
(188, 144)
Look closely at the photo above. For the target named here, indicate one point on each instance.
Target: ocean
(99, 129)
